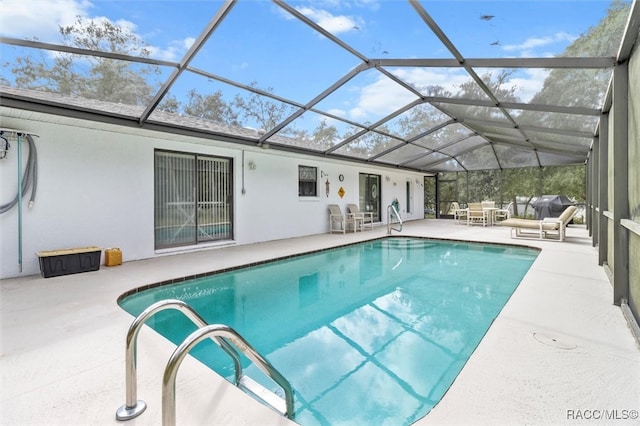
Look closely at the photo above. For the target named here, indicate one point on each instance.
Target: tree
(523, 182)
(579, 87)
(566, 180)
(369, 144)
(255, 109)
(90, 76)
(497, 84)
(169, 104)
(484, 185)
(210, 107)
(324, 136)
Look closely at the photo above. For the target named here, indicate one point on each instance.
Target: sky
(259, 42)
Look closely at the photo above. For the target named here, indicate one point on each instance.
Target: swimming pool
(372, 333)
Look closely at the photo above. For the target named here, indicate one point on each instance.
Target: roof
(426, 86)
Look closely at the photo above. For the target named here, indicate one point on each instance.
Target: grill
(551, 205)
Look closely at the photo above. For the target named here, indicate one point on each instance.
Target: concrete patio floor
(559, 352)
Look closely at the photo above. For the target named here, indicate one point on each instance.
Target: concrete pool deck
(559, 352)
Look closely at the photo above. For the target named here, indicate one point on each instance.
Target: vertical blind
(193, 199)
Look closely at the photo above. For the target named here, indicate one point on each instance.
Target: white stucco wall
(95, 188)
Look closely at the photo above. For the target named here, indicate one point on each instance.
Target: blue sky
(260, 42)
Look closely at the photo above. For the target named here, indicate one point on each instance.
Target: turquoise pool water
(373, 333)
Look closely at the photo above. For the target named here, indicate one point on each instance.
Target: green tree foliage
(448, 191)
(564, 87)
(518, 183)
(566, 180)
(497, 83)
(585, 88)
(484, 185)
(321, 138)
(260, 110)
(210, 107)
(90, 76)
(370, 144)
(429, 197)
(324, 136)
(169, 104)
(419, 120)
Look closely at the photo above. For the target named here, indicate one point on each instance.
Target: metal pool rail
(221, 335)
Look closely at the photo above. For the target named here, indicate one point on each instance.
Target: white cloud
(370, 4)
(174, 52)
(342, 4)
(449, 79)
(528, 84)
(335, 24)
(41, 19)
(24, 19)
(358, 114)
(241, 66)
(188, 42)
(529, 46)
(380, 99)
(337, 112)
(166, 54)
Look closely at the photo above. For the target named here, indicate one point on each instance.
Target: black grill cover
(551, 205)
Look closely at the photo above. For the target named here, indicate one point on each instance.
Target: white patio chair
(339, 222)
(366, 217)
(459, 214)
(476, 214)
(503, 214)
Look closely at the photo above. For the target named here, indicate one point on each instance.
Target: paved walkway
(559, 353)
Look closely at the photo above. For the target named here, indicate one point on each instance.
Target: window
(192, 200)
(307, 181)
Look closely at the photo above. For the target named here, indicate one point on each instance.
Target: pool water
(373, 333)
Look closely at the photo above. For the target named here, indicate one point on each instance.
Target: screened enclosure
(521, 188)
(390, 83)
(483, 98)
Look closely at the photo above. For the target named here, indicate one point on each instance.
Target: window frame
(305, 181)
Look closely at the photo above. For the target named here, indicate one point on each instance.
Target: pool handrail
(392, 209)
(226, 332)
(134, 407)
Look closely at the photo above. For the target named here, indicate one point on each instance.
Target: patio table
(490, 214)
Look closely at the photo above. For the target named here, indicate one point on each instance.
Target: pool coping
(291, 256)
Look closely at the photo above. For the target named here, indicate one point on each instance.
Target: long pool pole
(20, 202)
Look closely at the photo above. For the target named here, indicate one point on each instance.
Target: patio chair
(503, 214)
(476, 214)
(339, 222)
(458, 213)
(550, 227)
(366, 217)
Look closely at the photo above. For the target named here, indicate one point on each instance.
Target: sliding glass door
(369, 199)
(193, 199)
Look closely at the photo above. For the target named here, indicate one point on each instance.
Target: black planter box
(54, 263)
